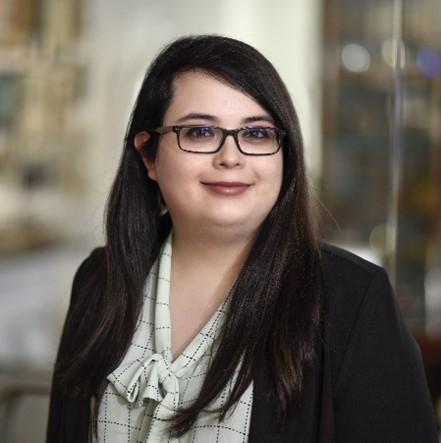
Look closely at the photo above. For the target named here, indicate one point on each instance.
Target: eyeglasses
(200, 139)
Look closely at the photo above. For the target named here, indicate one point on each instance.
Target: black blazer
(367, 383)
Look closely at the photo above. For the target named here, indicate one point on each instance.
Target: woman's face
(226, 189)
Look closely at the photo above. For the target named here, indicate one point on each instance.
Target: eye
(258, 133)
(195, 132)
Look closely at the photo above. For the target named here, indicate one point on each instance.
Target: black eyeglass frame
(225, 133)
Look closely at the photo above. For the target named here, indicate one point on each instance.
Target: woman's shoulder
(356, 294)
(352, 285)
(344, 270)
(90, 271)
(374, 361)
(93, 263)
(341, 260)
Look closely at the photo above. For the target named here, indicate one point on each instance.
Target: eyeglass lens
(254, 140)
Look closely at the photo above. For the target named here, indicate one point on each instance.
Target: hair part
(276, 294)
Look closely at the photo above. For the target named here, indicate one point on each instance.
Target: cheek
(176, 174)
(163, 168)
(274, 176)
(279, 173)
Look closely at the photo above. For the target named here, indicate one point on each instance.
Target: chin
(232, 226)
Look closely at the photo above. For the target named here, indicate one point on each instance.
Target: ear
(141, 138)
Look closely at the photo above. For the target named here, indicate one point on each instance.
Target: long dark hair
(275, 306)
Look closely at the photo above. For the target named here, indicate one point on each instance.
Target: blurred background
(365, 76)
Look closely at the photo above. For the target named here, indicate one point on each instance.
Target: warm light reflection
(389, 53)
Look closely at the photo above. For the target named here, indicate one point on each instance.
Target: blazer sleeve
(381, 393)
(68, 418)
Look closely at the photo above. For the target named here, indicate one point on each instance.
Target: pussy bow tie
(152, 378)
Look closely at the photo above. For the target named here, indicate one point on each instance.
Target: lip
(227, 188)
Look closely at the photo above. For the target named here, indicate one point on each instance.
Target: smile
(227, 188)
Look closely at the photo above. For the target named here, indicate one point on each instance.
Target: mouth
(227, 188)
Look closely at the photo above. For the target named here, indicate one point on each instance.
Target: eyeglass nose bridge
(234, 133)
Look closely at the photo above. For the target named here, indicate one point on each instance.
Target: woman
(213, 313)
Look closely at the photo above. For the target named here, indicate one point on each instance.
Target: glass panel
(419, 222)
(381, 148)
(381, 176)
(358, 106)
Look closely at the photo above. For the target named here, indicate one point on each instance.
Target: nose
(228, 155)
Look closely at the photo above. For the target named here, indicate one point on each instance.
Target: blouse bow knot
(152, 378)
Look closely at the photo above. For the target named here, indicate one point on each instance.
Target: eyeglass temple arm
(162, 129)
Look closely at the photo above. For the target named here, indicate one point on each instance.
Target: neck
(211, 259)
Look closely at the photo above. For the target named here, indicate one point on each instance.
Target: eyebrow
(258, 118)
(197, 116)
(214, 119)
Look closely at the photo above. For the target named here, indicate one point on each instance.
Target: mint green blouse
(148, 387)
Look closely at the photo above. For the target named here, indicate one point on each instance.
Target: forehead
(196, 92)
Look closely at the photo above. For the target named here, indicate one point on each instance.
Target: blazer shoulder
(352, 287)
(347, 273)
(95, 260)
(90, 271)
(374, 362)
(335, 257)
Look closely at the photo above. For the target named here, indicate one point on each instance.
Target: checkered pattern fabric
(148, 387)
